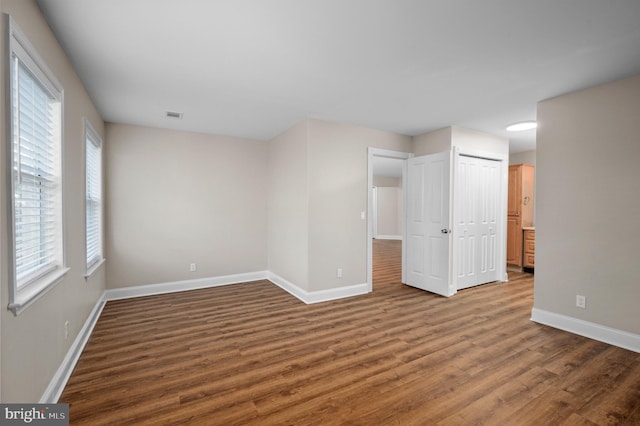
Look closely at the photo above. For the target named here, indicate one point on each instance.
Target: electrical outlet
(339, 273)
(193, 267)
(581, 301)
(66, 330)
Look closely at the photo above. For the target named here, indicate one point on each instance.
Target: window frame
(92, 137)
(23, 294)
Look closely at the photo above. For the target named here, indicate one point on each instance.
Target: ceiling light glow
(523, 125)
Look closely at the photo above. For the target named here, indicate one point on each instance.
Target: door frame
(504, 183)
(379, 152)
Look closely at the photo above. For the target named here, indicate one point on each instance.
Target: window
(37, 250)
(93, 199)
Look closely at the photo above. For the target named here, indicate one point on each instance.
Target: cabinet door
(515, 190)
(528, 255)
(527, 176)
(514, 241)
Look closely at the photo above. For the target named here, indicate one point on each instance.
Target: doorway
(386, 164)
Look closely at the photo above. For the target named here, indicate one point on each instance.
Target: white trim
(94, 268)
(18, 45)
(34, 291)
(59, 380)
(91, 136)
(176, 286)
(374, 211)
(320, 295)
(388, 237)
(602, 333)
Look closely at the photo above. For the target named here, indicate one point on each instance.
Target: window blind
(36, 113)
(93, 199)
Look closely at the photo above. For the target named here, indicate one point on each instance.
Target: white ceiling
(253, 68)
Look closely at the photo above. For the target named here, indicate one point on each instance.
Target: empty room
(320, 212)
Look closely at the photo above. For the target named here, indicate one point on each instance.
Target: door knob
(445, 231)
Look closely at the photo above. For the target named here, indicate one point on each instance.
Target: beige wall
(317, 190)
(177, 198)
(588, 207)
(465, 139)
(389, 211)
(432, 142)
(525, 157)
(387, 181)
(288, 213)
(337, 196)
(472, 140)
(33, 343)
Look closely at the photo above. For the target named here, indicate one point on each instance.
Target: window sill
(92, 270)
(26, 296)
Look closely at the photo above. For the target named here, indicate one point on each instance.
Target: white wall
(587, 229)
(33, 343)
(337, 196)
(389, 206)
(288, 213)
(176, 198)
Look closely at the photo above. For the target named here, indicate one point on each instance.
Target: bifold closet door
(476, 228)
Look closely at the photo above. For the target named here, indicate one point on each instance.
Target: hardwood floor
(252, 354)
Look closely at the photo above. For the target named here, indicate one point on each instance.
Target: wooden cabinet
(514, 248)
(519, 209)
(529, 249)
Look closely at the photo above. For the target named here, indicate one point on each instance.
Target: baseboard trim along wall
(175, 286)
(59, 380)
(588, 329)
(388, 237)
(318, 296)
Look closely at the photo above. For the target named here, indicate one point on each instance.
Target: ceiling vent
(173, 114)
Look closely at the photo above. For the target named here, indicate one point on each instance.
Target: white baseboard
(175, 286)
(388, 237)
(588, 329)
(59, 380)
(318, 296)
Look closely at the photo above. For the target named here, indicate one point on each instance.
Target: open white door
(427, 231)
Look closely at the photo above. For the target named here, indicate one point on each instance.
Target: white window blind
(36, 176)
(37, 247)
(93, 197)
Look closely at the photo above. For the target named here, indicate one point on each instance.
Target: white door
(428, 223)
(476, 228)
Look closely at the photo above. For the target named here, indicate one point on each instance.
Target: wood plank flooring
(252, 354)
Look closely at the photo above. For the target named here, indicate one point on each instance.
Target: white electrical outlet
(193, 267)
(66, 330)
(581, 301)
(339, 273)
